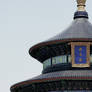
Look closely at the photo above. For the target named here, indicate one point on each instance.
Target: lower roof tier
(56, 76)
(58, 86)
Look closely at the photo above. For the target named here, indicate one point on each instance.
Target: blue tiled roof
(87, 74)
(80, 28)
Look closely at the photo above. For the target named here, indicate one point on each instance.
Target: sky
(24, 23)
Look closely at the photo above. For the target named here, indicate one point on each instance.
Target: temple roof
(61, 75)
(79, 30)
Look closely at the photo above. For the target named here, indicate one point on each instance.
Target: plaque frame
(87, 44)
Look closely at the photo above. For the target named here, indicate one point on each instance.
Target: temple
(66, 59)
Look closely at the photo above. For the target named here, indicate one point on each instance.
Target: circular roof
(79, 30)
(61, 75)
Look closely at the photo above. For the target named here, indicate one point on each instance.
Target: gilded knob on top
(81, 2)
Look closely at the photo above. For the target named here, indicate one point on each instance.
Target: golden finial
(81, 5)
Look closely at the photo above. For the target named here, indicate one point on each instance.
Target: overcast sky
(24, 23)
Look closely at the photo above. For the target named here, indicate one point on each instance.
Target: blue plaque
(80, 54)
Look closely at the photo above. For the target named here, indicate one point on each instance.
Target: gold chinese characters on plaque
(80, 52)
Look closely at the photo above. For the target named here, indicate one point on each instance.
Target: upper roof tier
(79, 30)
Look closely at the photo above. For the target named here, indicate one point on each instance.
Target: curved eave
(79, 30)
(55, 76)
(58, 41)
(50, 79)
(36, 47)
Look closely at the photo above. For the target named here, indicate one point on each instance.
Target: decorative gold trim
(81, 5)
(87, 44)
(81, 2)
